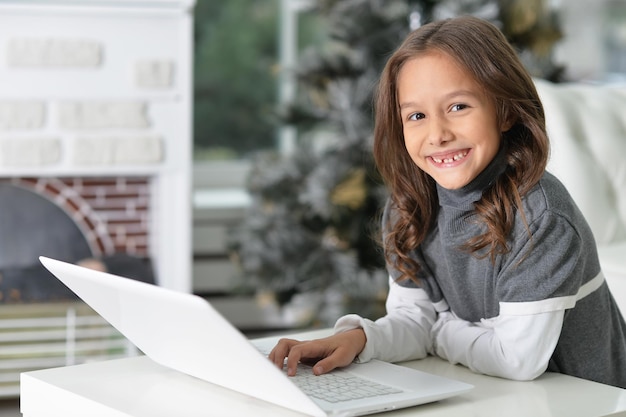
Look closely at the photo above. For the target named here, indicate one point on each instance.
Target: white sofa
(587, 129)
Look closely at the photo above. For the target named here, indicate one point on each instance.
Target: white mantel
(104, 88)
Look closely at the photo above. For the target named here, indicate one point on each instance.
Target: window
(243, 56)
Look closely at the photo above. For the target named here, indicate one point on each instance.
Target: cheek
(406, 138)
(409, 146)
(413, 153)
(413, 145)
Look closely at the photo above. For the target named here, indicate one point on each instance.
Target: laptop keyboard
(338, 386)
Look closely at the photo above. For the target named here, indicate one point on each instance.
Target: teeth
(456, 157)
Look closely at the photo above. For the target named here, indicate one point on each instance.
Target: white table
(139, 387)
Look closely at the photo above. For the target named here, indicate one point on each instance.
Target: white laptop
(184, 332)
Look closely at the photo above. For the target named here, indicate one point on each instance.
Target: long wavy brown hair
(481, 49)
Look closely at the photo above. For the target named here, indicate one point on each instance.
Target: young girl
(491, 263)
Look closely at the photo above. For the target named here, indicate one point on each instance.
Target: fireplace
(101, 90)
(72, 219)
(95, 139)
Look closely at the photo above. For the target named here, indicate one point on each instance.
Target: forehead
(434, 74)
(433, 66)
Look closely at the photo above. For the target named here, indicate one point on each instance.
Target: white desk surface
(139, 387)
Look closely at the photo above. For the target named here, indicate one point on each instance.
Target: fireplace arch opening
(102, 220)
(30, 226)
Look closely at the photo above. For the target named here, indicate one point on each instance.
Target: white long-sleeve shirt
(509, 346)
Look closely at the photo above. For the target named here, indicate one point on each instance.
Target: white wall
(587, 26)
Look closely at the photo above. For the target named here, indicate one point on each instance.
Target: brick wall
(112, 213)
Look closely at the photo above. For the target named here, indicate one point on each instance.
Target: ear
(507, 124)
(505, 117)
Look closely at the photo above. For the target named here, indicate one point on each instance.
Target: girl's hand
(326, 354)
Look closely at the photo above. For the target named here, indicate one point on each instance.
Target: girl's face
(450, 126)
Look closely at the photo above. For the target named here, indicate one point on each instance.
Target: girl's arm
(402, 334)
(509, 346)
(517, 344)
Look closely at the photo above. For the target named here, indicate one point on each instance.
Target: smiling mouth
(453, 158)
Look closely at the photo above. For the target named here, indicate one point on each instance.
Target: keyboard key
(338, 385)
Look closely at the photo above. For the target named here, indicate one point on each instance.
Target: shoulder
(550, 198)
(555, 224)
(549, 209)
(553, 251)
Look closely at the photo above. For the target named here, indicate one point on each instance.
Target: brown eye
(416, 116)
(458, 107)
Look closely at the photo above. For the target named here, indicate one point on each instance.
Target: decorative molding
(154, 74)
(22, 115)
(102, 115)
(29, 152)
(139, 150)
(53, 53)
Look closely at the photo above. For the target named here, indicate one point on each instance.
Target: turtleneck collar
(465, 197)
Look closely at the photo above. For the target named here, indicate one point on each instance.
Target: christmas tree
(312, 225)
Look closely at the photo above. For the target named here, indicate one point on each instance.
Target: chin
(453, 185)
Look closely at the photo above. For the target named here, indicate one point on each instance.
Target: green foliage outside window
(236, 75)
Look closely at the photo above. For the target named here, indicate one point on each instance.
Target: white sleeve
(509, 346)
(403, 333)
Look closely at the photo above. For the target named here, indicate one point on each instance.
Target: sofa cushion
(587, 129)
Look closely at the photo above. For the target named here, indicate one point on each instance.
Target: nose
(439, 131)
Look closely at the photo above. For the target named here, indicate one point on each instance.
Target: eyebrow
(452, 94)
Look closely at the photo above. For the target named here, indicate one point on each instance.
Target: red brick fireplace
(112, 212)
